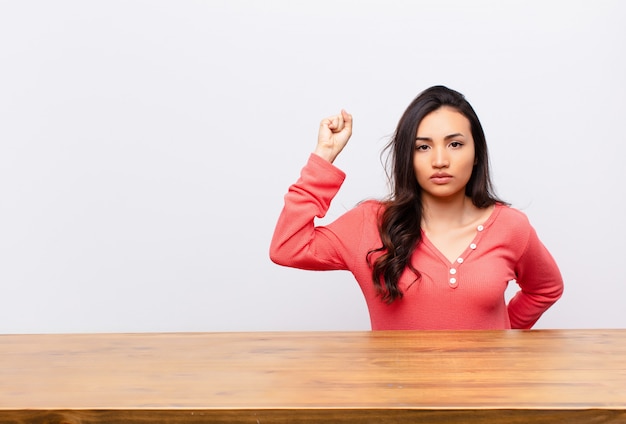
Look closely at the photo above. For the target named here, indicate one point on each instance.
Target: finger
(333, 123)
(326, 125)
(340, 123)
(347, 119)
(337, 123)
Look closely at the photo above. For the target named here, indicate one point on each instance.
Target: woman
(441, 250)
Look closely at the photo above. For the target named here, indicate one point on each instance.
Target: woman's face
(444, 155)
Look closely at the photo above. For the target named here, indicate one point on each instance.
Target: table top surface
(537, 369)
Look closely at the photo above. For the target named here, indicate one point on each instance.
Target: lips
(440, 178)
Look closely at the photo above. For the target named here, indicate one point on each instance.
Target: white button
(452, 271)
(473, 246)
(453, 281)
(460, 260)
(480, 228)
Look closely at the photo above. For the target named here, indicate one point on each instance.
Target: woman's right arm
(297, 242)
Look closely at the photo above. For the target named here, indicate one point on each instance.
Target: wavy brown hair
(400, 223)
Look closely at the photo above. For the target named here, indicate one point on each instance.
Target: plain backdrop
(145, 148)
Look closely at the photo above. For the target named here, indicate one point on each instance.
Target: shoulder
(509, 215)
(358, 223)
(366, 212)
(511, 226)
(371, 207)
(510, 222)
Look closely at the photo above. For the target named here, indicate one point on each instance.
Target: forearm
(526, 308)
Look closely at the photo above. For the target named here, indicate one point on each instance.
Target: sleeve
(296, 241)
(540, 281)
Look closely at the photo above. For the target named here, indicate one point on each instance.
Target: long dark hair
(400, 223)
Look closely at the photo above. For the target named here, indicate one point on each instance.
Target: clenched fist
(334, 133)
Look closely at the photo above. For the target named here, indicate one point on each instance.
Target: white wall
(145, 147)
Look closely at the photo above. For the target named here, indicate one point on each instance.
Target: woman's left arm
(540, 281)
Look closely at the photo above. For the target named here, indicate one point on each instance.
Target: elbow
(549, 298)
(278, 256)
(288, 256)
(551, 292)
(275, 257)
(560, 291)
(557, 292)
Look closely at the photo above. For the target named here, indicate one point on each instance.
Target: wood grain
(455, 376)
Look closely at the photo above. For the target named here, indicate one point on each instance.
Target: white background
(146, 147)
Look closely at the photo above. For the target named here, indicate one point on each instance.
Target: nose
(440, 158)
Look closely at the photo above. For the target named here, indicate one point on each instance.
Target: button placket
(453, 281)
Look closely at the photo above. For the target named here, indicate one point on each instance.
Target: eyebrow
(448, 137)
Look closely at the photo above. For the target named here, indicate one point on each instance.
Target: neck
(453, 211)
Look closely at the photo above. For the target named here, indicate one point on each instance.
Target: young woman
(441, 250)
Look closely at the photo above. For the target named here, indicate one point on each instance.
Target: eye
(422, 147)
(456, 144)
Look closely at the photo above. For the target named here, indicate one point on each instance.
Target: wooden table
(539, 376)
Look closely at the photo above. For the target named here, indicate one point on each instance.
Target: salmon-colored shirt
(465, 294)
